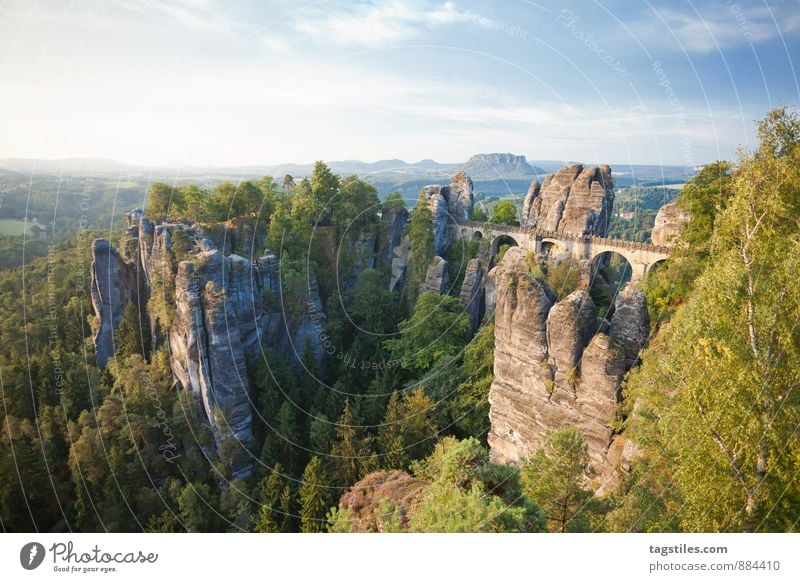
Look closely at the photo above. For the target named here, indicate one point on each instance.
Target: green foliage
(133, 335)
(468, 407)
(420, 232)
(554, 479)
(705, 196)
(438, 328)
(478, 213)
(275, 503)
(468, 494)
(162, 201)
(718, 405)
(196, 508)
(314, 497)
(561, 274)
(350, 451)
(408, 430)
(504, 212)
(393, 201)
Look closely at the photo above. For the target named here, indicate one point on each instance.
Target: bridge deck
(534, 232)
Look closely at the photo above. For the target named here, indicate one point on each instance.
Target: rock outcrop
(459, 197)
(630, 323)
(448, 204)
(668, 225)
(471, 294)
(437, 279)
(555, 366)
(437, 202)
(225, 308)
(574, 200)
(114, 284)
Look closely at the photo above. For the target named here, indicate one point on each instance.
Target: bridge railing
(530, 231)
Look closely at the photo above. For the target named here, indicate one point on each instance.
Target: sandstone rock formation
(574, 200)
(669, 222)
(630, 323)
(114, 284)
(554, 365)
(448, 204)
(393, 223)
(437, 278)
(471, 294)
(437, 202)
(459, 197)
(225, 308)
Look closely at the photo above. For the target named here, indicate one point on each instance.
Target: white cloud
(721, 27)
(376, 24)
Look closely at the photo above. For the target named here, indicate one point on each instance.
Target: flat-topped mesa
(575, 200)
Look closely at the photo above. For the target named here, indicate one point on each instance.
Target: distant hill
(489, 167)
(499, 166)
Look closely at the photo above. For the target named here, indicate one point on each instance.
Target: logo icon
(31, 555)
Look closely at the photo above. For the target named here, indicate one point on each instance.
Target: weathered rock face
(437, 202)
(460, 199)
(528, 210)
(448, 204)
(574, 200)
(391, 234)
(114, 284)
(571, 323)
(471, 295)
(225, 308)
(401, 257)
(669, 223)
(630, 323)
(554, 366)
(207, 355)
(437, 279)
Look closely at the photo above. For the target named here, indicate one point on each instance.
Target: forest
(389, 431)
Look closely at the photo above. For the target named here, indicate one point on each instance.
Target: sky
(245, 82)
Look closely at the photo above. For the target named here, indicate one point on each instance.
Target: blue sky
(164, 82)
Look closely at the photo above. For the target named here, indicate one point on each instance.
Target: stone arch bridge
(641, 256)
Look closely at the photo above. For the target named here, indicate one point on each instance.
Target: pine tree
(314, 497)
(390, 435)
(553, 479)
(347, 449)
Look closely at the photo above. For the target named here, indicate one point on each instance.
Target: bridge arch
(551, 247)
(617, 267)
(498, 242)
(656, 265)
